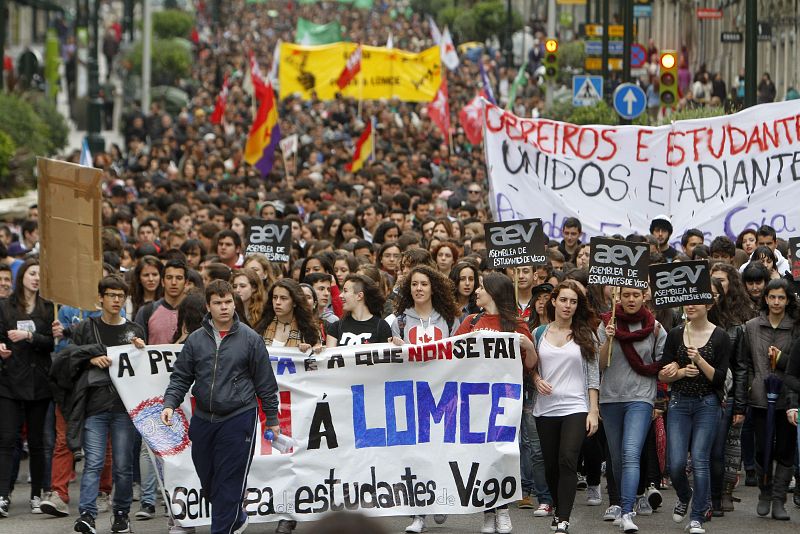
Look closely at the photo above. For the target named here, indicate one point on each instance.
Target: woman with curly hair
(248, 286)
(568, 383)
(464, 277)
(425, 309)
(445, 254)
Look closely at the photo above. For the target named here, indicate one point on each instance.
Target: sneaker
(612, 513)
(53, 504)
(177, 529)
(103, 500)
(243, 525)
(679, 512)
(554, 523)
(544, 510)
(627, 525)
(582, 484)
(121, 523)
(526, 503)
(750, 478)
(563, 527)
(502, 521)
(285, 526)
(417, 525)
(85, 524)
(795, 499)
(440, 518)
(147, 511)
(488, 523)
(4, 503)
(654, 496)
(695, 527)
(593, 496)
(36, 505)
(137, 492)
(642, 506)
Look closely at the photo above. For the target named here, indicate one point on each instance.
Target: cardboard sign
(618, 263)
(794, 256)
(516, 243)
(678, 284)
(71, 251)
(272, 239)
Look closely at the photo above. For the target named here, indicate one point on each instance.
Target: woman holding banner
(495, 295)
(695, 362)
(568, 382)
(628, 391)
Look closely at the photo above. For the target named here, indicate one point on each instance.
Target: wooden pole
(516, 288)
(614, 297)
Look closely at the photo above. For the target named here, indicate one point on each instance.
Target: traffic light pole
(605, 48)
(750, 53)
(95, 104)
(627, 18)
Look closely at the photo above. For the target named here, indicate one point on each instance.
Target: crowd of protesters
(395, 253)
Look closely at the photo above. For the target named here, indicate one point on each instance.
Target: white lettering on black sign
(272, 239)
(679, 284)
(618, 263)
(516, 243)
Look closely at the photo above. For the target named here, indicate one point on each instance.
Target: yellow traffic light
(551, 45)
(668, 60)
(668, 78)
(551, 59)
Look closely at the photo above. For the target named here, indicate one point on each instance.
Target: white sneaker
(544, 510)
(488, 523)
(642, 506)
(593, 496)
(36, 504)
(695, 527)
(502, 521)
(627, 525)
(440, 518)
(417, 525)
(613, 513)
(103, 501)
(177, 529)
(54, 505)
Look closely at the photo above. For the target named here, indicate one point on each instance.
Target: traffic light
(668, 78)
(551, 59)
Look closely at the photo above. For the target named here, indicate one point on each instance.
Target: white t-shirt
(562, 368)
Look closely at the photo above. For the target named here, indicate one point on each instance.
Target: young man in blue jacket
(229, 366)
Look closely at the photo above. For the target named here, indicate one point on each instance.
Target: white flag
(436, 35)
(448, 51)
(390, 41)
(276, 59)
(289, 145)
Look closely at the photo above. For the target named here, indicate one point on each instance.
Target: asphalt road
(585, 520)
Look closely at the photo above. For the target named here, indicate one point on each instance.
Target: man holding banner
(229, 366)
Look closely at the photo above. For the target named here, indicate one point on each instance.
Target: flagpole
(360, 95)
(374, 136)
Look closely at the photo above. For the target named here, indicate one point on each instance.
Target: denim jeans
(149, 483)
(692, 420)
(626, 424)
(718, 450)
(531, 460)
(95, 436)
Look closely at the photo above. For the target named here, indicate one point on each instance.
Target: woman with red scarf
(628, 390)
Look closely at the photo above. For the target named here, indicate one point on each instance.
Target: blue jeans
(626, 424)
(531, 460)
(96, 430)
(692, 420)
(149, 482)
(718, 450)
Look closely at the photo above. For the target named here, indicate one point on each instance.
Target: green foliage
(23, 125)
(447, 17)
(490, 19)
(57, 129)
(696, 113)
(571, 58)
(431, 7)
(600, 113)
(7, 151)
(172, 23)
(171, 60)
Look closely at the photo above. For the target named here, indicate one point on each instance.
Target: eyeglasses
(115, 296)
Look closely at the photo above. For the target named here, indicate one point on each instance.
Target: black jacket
(227, 377)
(24, 375)
(738, 367)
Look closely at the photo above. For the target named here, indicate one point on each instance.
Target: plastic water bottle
(282, 443)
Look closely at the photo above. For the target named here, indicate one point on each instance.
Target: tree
(172, 23)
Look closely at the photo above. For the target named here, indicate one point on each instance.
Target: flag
(487, 84)
(436, 35)
(364, 148)
(86, 154)
(519, 81)
(276, 61)
(289, 145)
(256, 76)
(390, 41)
(449, 54)
(219, 106)
(265, 132)
(310, 33)
(351, 68)
(439, 110)
(471, 117)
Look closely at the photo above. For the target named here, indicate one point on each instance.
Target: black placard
(794, 257)
(272, 239)
(731, 37)
(678, 284)
(516, 243)
(618, 263)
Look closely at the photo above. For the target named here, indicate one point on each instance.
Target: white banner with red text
(720, 175)
(381, 429)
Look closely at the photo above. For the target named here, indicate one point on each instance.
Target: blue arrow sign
(629, 101)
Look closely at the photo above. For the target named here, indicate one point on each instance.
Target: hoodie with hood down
(413, 329)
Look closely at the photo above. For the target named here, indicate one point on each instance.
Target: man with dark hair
(363, 248)
(159, 318)
(321, 284)
(422, 209)
(230, 368)
(767, 237)
(215, 271)
(571, 230)
(661, 229)
(722, 249)
(691, 238)
(229, 247)
(30, 234)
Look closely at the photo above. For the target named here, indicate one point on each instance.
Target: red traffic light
(668, 60)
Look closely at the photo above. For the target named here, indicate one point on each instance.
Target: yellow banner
(385, 72)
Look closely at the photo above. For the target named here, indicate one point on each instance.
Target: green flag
(519, 81)
(309, 33)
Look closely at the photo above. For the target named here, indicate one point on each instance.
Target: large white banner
(720, 175)
(381, 429)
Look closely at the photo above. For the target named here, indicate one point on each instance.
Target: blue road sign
(586, 90)
(638, 56)
(595, 48)
(629, 101)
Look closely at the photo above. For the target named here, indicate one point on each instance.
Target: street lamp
(95, 105)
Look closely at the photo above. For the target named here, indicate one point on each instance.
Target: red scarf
(626, 338)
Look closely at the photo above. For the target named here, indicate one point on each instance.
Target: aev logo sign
(516, 234)
(618, 254)
(679, 276)
(267, 233)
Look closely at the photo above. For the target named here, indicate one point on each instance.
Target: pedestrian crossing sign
(586, 90)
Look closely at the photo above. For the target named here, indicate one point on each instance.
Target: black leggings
(561, 439)
(12, 413)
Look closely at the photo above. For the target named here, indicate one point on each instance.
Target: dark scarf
(627, 338)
